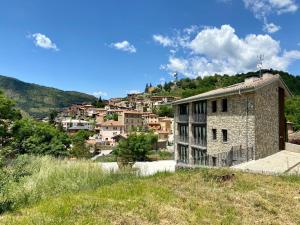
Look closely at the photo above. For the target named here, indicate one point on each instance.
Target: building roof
(111, 123)
(249, 85)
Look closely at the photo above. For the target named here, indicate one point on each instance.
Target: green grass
(185, 197)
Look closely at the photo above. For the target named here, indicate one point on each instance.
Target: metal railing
(199, 142)
(183, 118)
(182, 138)
(199, 117)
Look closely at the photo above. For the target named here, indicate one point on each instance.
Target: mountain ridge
(38, 100)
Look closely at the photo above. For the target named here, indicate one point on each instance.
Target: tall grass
(49, 177)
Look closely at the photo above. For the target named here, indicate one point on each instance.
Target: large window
(183, 133)
(214, 106)
(225, 135)
(199, 156)
(224, 105)
(199, 134)
(200, 107)
(183, 153)
(183, 109)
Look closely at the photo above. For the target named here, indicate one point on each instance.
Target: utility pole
(260, 60)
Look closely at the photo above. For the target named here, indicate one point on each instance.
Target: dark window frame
(225, 135)
(224, 105)
(214, 134)
(214, 106)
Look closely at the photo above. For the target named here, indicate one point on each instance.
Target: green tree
(79, 147)
(165, 110)
(112, 116)
(292, 111)
(8, 114)
(99, 103)
(33, 137)
(135, 147)
(52, 116)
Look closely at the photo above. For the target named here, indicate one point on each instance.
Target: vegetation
(292, 110)
(185, 197)
(111, 116)
(29, 179)
(99, 103)
(79, 147)
(38, 101)
(164, 110)
(135, 147)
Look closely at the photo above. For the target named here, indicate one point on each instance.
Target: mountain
(37, 100)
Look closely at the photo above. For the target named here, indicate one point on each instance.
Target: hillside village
(118, 118)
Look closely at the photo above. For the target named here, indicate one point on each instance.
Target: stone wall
(239, 121)
(267, 120)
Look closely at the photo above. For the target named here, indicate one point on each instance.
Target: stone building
(230, 125)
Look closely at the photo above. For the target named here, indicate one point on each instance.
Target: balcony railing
(182, 138)
(199, 142)
(183, 118)
(199, 117)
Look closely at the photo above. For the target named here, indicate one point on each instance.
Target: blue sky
(111, 47)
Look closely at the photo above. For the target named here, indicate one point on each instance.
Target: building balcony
(199, 142)
(183, 118)
(199, 117)
(184, 139)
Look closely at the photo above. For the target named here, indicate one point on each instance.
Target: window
(214, 161)
(225, 135)
(183, 109)
(214, 134)
(224, 105)
(214, 106)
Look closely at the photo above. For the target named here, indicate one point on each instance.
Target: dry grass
(186, 197)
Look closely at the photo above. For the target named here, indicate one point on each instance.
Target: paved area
(145, 168)
(281, 162)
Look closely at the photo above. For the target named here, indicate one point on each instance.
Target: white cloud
(100, 93)
(41, 40)
(271, 28)
(163, 40)
(162, 80)
(262, 8)
(133, 92)
(124, 46)
(220, 50)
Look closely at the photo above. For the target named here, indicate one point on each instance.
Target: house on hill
(230, 125)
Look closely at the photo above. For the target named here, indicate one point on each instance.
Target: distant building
(233, 124)
(109, 129)
(74, 125)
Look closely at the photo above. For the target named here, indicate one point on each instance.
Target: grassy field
(75, 194)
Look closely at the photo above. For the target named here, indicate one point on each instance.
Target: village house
(108, 130)
(74, 125)
(230, 125)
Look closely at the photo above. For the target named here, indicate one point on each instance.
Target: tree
(112, 116)
(164, 110)
(99, 103)
(8, 114)
(33, 137)
(147, 88)
(79, 147)
(135, 147)
(52, 116)
(292, 111)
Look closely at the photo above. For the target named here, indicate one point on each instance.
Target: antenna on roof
(260, 59)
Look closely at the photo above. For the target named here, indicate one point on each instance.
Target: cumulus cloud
(99, 93)
(220, 50)
(42, 41)
(262, 8)
(271, 28)
(163, 40)
(133, 92)
(124, 46)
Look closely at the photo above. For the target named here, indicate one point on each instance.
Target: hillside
(78, 193)
(38, 100)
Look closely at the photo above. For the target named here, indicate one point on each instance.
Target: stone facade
(267, 121)
(239, 121)
(248, 128)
